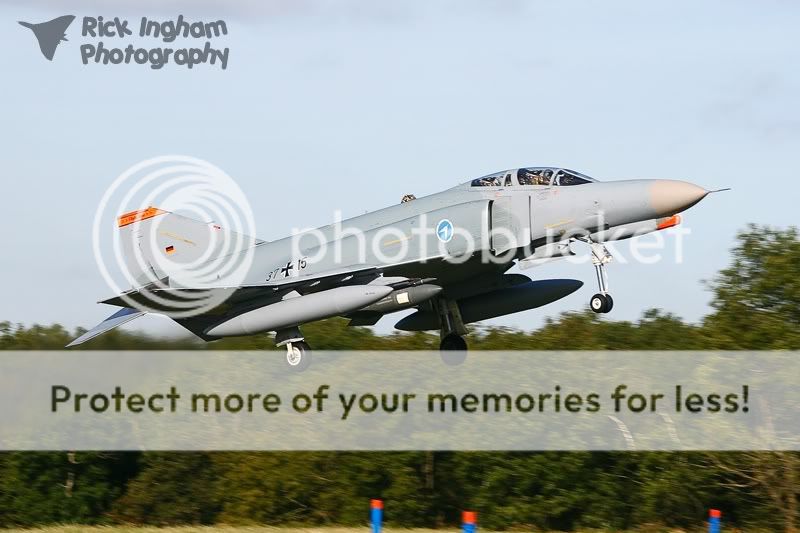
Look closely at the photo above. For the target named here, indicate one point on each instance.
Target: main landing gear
(453, 347)
(298, 352)
(601, 302)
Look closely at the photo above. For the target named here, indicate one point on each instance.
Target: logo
(444, 230)
(50, 34)
(100, 35)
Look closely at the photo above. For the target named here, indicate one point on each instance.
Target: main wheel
(453, 349)
(599, 303)
(453, 342)
(609, 303)
(298, 358)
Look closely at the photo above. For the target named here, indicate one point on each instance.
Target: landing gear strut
(453, 347)
(298, 352)
(601, 302)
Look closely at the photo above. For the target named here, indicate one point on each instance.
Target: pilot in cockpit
(534, 176)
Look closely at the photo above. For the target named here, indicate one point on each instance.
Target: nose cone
(668, 197)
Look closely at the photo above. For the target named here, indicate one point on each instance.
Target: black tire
(609, 303)
(300, 357)
(453, 342)
(598, 303)
(453, 349)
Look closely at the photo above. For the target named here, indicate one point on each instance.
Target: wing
(236, 298)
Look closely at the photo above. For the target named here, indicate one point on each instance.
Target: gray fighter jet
(445, 255)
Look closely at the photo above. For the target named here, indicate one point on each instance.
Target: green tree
(756, 305)
(41, 488)
(757, 298)
(170, 488)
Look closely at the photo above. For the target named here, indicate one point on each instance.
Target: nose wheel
(602, 302)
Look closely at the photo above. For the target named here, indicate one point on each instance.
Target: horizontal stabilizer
(126, 314)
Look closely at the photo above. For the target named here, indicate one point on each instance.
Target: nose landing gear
(602, 301)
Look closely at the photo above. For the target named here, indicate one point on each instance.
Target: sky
(350, 105)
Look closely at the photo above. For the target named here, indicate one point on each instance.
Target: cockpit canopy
(543, 176)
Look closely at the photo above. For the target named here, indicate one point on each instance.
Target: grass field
(218, 529)
(225, 529)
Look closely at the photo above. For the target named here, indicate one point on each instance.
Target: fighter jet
(446, 256)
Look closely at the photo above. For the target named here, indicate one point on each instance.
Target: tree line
(755, 306)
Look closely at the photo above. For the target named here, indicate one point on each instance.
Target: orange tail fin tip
(136, 216)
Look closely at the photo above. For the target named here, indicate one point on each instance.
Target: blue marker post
(376, 515)
(714, 521)
(469, 522)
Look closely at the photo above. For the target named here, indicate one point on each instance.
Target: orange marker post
(376, 515)
(469, 522)
(714, 521)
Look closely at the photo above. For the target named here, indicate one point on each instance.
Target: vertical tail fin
(158, 244)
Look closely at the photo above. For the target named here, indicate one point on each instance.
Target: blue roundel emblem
(444, 230)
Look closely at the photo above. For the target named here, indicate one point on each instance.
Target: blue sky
(349, 105)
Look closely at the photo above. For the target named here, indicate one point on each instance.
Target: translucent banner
(511, 400)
